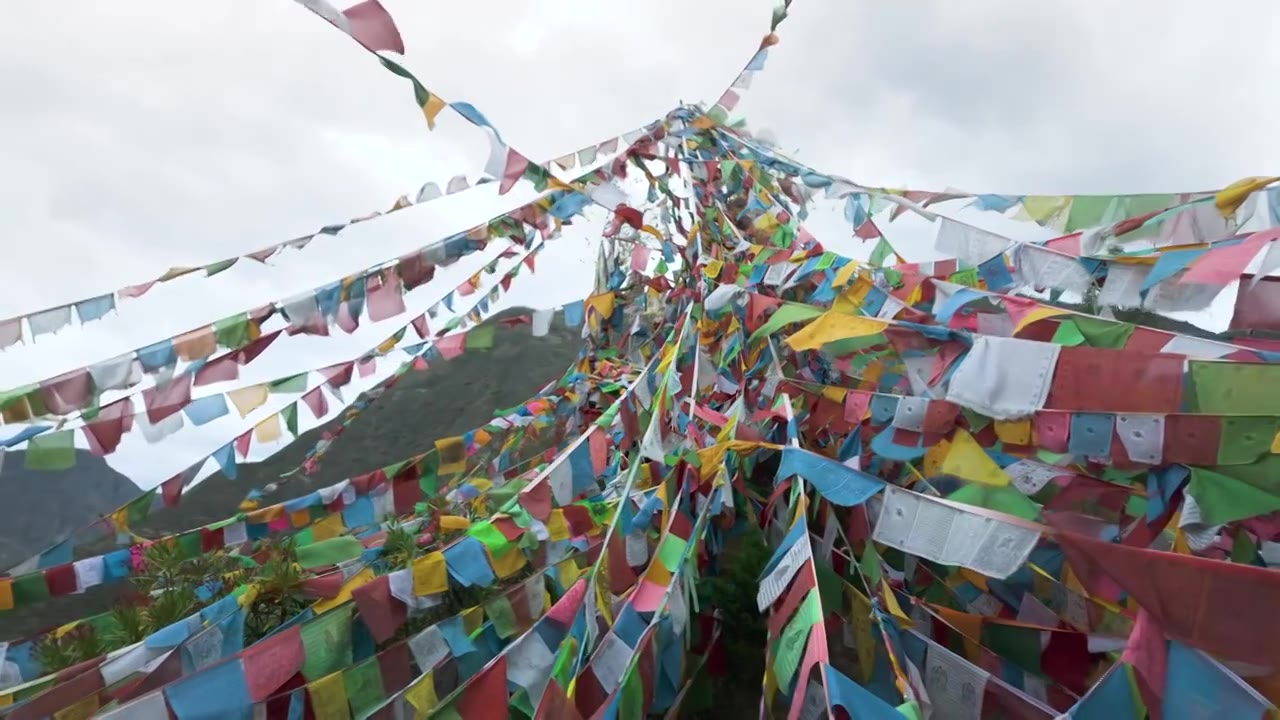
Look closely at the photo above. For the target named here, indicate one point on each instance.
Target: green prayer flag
(330, 552)
(295, 384)
(785, 314)
(671, 552)
(139, 508)
(29, 590)
(1020, 645)
(1223, 498)
(869, 564)
(1068, 334)
(502, 615)
(364, 686)
(290, 416)
(967, 277)
(480, 338)
(232, 332)
(1005, 499)
(52, 451)
(1245, 439)
(880, 253)
(1104, 333)
(1220, 388)
(326, 643)
(790, 644)
(489, 535)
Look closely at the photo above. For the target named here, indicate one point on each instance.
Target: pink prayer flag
(1223, 265)
(420, 326)
(599, 447)
(451, 346)
(1147, 651)
(10, 332)
(1068, 244)
(367, 367)
(516, 165)
(567, 606)
(729, 100)
(371, 26)
(163, 402)
(856, 403)
(647, 596)
(270, 663)
(815, 654)
(348, 322)
(336, 376)
(242, 444)
(317, 403)
(536, 499)
(136, 291)
(112, 423)
(1050, 430)
(384, 298)
(640, 258)
(67, 393)
(222, 369)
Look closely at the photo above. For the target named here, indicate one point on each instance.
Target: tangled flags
(977, 503)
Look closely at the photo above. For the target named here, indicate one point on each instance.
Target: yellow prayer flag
(1230, 198)
(248, 399)
(421, 694)
(711, 270)
(934, 456)
(891, 603)
(431, 108)
(766, 223)
(6, 594)
(508, 562)
(844, 275)
(430, 576)
(657, 573)
(472, 619)
(329, 697)
(1036, 315)
(601, 303)
(327, 527)
(969, 461)
(833, 326)
(453, 456)
(267, 431)
(454, 522)
(557, 527)
(1275, 444)
(1046, 210)
(1014, 432)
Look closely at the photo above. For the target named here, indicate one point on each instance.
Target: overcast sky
(152, 133)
